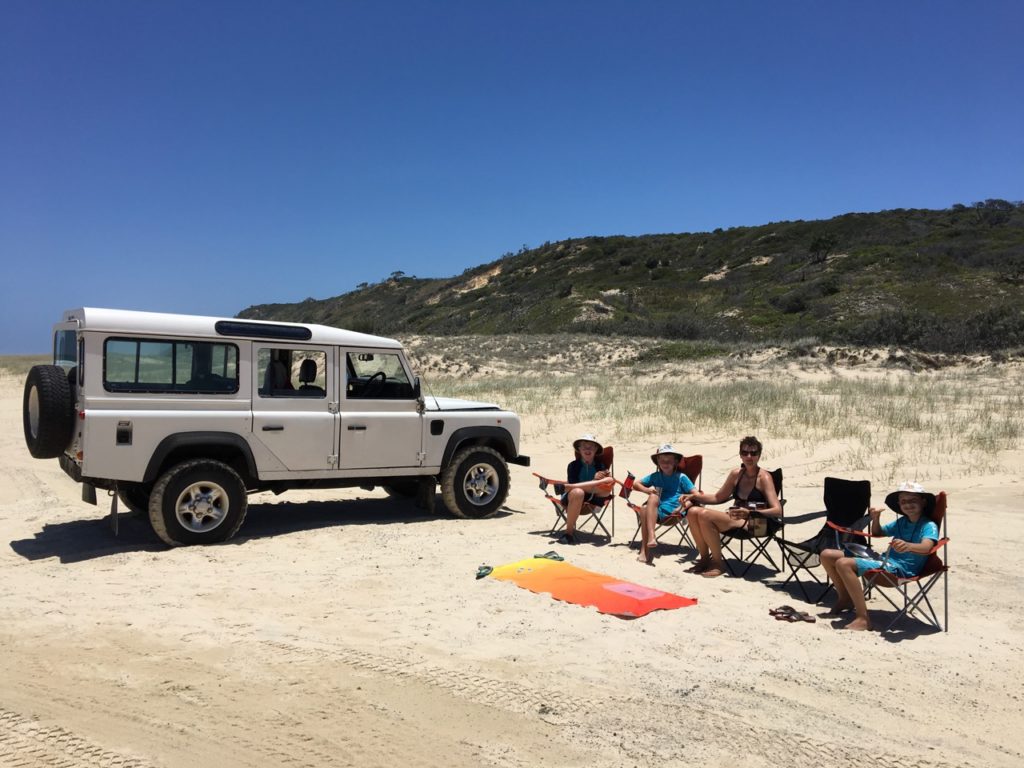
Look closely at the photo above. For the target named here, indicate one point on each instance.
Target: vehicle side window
(377, 375)
(285, 372)
(179, 367)
(65, 349)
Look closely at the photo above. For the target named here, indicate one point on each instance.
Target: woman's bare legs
(697, 532)
(712, 522)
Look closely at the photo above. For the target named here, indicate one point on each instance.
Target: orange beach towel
(576, 585)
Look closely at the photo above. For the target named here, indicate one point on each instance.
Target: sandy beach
(346, 628)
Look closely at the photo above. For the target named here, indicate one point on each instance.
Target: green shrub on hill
(946, 281)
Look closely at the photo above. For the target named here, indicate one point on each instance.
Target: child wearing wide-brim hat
(587, 482)
(913, 536)
(892, 501)
(665, 488)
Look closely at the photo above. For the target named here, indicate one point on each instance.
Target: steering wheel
(374, 384)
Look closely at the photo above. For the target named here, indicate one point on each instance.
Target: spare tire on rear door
(47, 411)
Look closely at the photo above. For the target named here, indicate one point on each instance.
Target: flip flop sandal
(794, 615)
(783, 609)
(552, 555)
(483, 570)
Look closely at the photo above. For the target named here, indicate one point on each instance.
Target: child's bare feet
(837, 609)
(858, 625)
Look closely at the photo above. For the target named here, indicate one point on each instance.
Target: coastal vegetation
(947, 280)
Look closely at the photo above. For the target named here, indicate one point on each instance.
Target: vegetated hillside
(949, 280)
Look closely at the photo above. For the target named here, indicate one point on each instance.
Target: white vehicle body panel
(333, 436)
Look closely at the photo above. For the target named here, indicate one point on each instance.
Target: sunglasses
(750, 453)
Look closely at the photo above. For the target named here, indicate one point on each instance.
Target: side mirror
(416, 387)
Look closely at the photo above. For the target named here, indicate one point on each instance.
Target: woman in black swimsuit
(747, 484)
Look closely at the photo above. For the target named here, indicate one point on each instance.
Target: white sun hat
(665, 448)
(892, 501)
(590, 438)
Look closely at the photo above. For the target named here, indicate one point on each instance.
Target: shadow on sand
(80, 540)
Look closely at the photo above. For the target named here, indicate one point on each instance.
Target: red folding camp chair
(691, 466)
(592, 515)
(911, 593)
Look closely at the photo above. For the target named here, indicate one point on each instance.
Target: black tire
(403, 489)
(47, 411)
(135, 496)
(475, 483)
(201, 501)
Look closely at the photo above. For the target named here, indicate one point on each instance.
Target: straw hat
(666, 448)
(589, 438)
(892, 501)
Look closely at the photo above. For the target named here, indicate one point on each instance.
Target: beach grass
(17, 366)
(920, 423)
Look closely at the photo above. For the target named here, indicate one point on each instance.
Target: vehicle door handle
(357, 428)
(273, 428)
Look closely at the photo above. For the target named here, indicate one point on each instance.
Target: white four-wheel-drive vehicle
(180, 417)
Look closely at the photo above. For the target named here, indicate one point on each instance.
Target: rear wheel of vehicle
(47, 411)
(198, 502)
(135, 496)
(475, 483)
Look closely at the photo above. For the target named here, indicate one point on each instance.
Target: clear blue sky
(203, 156)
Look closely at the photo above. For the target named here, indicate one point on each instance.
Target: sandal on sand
(483, 570)
(552, 555)
(794, 615)
(781, 609)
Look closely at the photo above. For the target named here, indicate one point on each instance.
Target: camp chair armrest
(797, 519)
(938, 545)
(854, 532)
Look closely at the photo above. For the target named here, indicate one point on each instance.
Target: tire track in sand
(27, 743)
(594, 718)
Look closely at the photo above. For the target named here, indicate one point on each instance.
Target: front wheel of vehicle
(475, 483)
(197, 502)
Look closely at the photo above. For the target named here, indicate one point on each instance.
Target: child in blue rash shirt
(665, 488)
(914, 534)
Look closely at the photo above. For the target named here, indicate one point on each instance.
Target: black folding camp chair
(753, 541)
(846, 505)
